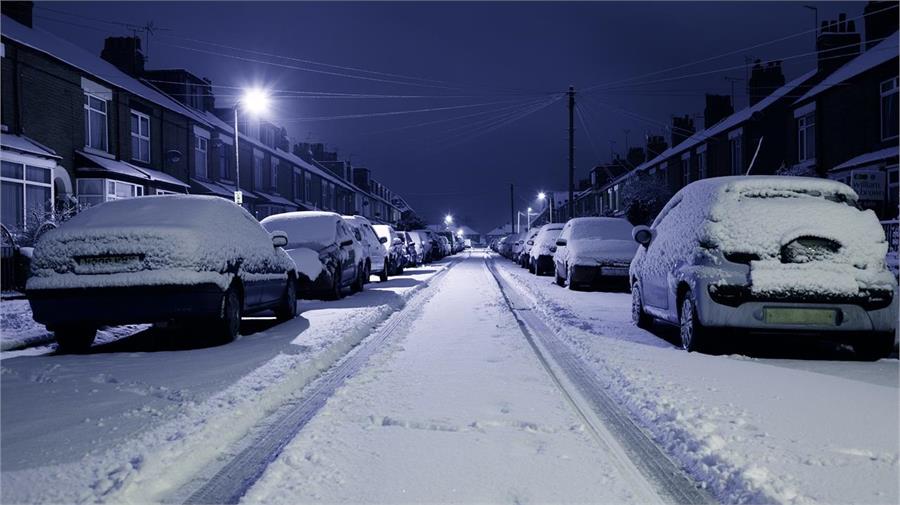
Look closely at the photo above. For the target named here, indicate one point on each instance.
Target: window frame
(24, 182)
(895, 88)
(107, 195)
(140, 138)
(88, 110)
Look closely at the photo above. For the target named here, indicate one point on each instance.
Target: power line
(587, 131)
(392, 113)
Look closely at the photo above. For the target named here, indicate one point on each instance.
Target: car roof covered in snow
(308, 228)
(180, 211)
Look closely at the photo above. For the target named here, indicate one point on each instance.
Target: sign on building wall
(868, 184)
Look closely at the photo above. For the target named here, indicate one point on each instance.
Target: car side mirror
(383, 240)
(397, 241)
(531, 242)
(347, 243)
(642, 235)
(561, 242)
(553, 248)
(279, 238)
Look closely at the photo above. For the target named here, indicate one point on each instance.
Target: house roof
(867, 158)
(722, 126)
(881, 53)
(501, 230)
(24, 144)
(93, 163)
(96, 67)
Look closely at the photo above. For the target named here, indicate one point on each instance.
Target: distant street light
(256, 102)
(543, 196)
(448, 220)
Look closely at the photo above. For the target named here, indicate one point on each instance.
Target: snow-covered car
(159, 259)
(394, 248)
(374, 250)
(327, 256)
(525, 254)
(769, 255)
(594, 251)
(444, 244)
(541, 254)
(427, 243)
(412, 257)
(420, 244)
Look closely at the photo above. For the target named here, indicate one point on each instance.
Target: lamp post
(542, 196)
(256, 101)
(529, 219)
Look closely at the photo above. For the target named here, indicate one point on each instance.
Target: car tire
(227, 326)
(383, 276)
(359, 283)
(570, 283)
(874, 346)
(287, 308)
(693, 335)
(560, 281)
(74, 339)
(336, 293)
(640, 318)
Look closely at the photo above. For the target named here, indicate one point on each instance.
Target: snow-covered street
(473, 390)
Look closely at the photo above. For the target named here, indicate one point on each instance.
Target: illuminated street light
(256, 102)
(542, 196)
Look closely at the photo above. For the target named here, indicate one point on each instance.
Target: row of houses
(80, 129)
(838, 120)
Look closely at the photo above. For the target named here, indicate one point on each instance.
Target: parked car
(767, 255)
(325, 251)
(429, 250)
(421, 245)
(593, 251)
(156, 259)
(524, 257)
(412, 257)
(445, 247)
(394, 248)
(541, 254)
(374, 250)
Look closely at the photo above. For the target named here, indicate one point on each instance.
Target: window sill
(98, 152)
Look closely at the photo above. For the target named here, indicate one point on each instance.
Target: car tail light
(728, 294)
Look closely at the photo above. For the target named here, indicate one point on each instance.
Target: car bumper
(595, 274)
(543, 263)
(124, 305)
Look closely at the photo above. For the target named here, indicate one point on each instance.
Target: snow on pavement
(457, 409)
(752, 429)
(88, 427)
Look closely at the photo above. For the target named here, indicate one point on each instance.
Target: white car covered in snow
(770, 255)
(593, 251)
(541, 254)
(374, 250)
(156, 259)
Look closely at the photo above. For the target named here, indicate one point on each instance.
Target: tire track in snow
(607, 421)
(228, 482)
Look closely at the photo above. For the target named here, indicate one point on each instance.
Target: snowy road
(439, 386)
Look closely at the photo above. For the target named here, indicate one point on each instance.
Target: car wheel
(335, 293)
(287, 309)
(359, 283)
(693, 335)
(227, 326)
(73, 339)
(640, 318)
(874, 346)
(383, 276)
(571, 282)
(560, 281)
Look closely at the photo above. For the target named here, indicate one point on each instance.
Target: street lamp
(448, 219)
(256, 102)
(542, 196)
(529, 218)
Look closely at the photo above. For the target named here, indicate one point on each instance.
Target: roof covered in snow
(867, 158)
(91, 64)
(94, 163)
(25, 145)
(881, 53)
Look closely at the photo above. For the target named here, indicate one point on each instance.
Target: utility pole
(512, 208)
(571, 205)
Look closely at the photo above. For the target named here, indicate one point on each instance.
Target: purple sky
(490, 61)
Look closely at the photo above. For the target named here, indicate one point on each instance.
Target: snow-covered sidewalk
(752, 429)
(88, 427)
(458, 409)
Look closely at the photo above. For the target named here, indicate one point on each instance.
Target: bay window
(94, 191)
(27, 194)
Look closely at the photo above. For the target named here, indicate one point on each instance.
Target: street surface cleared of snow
(762, 427)
(86, 427)
(457, 409)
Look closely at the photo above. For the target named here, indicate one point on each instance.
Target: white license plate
(617, 271)
(110, 263)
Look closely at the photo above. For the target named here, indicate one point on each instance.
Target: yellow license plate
(779, 315)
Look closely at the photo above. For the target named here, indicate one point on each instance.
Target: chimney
(682, 128)
(18, 11)
(837, 43)
(209, 99)
(882, 19)
(125, 53)
(718, 107)
(656, 144)
(764, 79)
(361, 177)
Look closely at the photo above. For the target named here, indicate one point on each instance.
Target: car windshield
(605, 229)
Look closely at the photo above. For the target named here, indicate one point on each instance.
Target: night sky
(494, 67)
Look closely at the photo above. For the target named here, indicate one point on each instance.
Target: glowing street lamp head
(255, 101)
(448, 219)
(459, 233)
(529, 210)
(542, 195)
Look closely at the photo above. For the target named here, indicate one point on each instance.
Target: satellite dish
(174, 156)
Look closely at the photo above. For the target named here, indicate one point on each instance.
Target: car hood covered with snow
(156, 240)
(601, 251)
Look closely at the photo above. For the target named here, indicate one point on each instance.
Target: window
(701, 165)
(223, 162)
(806, 137)
(201, 146)
(140, 137)
(893, 189)
(686, 169)
(737, 157)
(258, 159)
(166, 192)
(889, 117)
(27, 195)
(307, 188)
(94, 191)
(273, 173)
(95, 135)
(297, 185)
